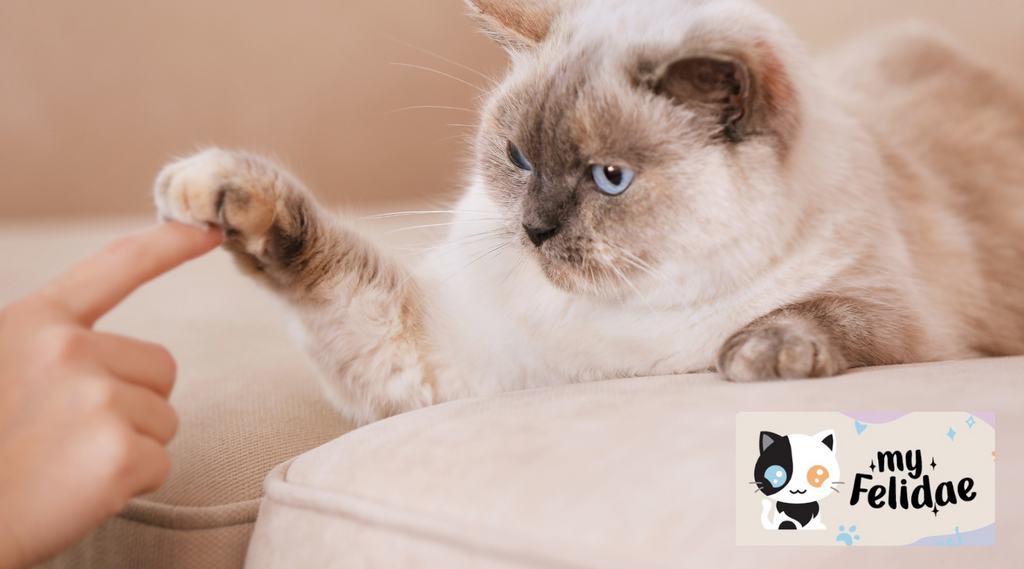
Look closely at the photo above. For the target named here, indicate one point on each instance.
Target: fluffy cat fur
(786, 220)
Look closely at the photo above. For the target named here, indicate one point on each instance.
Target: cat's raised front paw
(216, 187)
(780, 351)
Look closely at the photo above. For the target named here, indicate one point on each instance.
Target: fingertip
(205, 237)
(175, 425)
(213, 237)
(217, 233)
(170, 371)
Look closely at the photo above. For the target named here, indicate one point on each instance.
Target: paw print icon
(847, 536)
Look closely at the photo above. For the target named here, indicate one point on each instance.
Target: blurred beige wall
(95, 96)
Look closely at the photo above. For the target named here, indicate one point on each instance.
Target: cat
(663, 187)
(796, 472)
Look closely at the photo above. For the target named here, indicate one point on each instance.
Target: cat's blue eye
(776, 476)
(517, 158)
(612, 180)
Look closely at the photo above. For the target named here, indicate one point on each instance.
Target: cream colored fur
(853, 200)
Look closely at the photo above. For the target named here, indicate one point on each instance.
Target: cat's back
(923, 94)
(950, 131)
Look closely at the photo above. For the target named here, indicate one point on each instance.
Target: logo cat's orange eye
(817, 476)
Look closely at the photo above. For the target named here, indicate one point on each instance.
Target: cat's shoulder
(920, 65)
(904, 54)
(914, 84)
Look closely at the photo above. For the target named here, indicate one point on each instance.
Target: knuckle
(166, 359)
(62, 345)
(114, 449)
(96, 395)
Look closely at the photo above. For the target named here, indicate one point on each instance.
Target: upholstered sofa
(628, 473)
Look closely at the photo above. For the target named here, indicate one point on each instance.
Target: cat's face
(632, 145)
(797, 469)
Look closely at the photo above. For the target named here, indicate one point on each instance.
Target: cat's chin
(594, 283)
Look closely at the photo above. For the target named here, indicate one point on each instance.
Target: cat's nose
(540, 234)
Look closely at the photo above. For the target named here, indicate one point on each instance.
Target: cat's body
(778, 225)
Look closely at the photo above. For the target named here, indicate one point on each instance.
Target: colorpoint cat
(677, 188)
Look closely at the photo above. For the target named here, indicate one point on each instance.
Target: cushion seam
(454, 533)
(191, 517)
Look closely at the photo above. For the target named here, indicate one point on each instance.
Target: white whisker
(463, 81)
(429, 107)
(425, 212)
(645, 269)
(632, 286)
(449, 224)
(430, 53)
(495, 249)
(440, 140)
(514, 267)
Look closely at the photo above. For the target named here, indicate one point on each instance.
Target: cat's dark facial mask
(593, 168)
(611, 161)
(576, 173)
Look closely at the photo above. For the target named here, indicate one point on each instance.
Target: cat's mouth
(798, 491)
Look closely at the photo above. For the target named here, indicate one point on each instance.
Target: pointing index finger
(95, 286)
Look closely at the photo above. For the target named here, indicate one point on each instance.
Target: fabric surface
(246, 398)
(123, 542)
(591, 475)
(630, 473)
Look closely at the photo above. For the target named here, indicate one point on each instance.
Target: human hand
(84, 415)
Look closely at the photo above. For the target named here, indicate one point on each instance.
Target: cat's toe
(779, 351)
(191, 190)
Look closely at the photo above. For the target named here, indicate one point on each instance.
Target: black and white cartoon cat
(796, 471)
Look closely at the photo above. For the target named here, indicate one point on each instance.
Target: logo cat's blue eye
(612, 180)
(776, 476)
(517, 158)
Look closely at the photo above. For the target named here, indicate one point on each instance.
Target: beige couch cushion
(596, 475)
(246, 398)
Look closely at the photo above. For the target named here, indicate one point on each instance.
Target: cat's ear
(827, 438)
(517, 25)
(716, 84)
(767, 439)
(746, 92)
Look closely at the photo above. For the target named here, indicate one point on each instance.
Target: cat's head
(637, 142)
(797, 469)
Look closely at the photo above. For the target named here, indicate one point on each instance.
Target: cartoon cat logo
(796, 471)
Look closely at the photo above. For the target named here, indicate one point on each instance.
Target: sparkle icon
(970, 422)
(951, 433)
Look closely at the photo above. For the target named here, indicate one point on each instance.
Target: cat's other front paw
(791, 350)
(215, 187)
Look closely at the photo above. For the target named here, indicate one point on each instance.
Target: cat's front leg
(819, 338)
(360, 316)
(766, 509)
